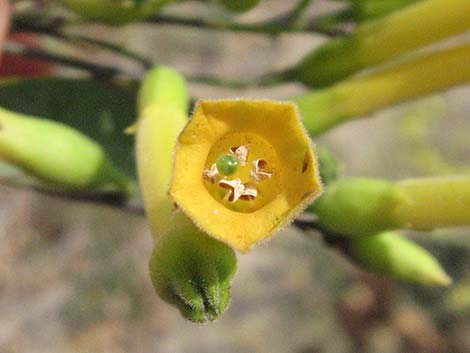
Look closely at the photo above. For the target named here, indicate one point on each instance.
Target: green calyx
(395, 256)
(227, 164)
(193, 272)
(356, 207)
(55, 153)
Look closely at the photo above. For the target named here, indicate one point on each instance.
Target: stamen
(241, 152)
(259, 172)
(212, 174)
(238, 190)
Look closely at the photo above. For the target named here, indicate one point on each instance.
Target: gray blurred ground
(73, 277)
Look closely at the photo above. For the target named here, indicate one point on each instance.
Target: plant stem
(23, 26)
(265, 27)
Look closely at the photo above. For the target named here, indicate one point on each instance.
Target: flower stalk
(376, 42)
(360, 96)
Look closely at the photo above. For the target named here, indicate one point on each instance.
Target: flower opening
(275, 179)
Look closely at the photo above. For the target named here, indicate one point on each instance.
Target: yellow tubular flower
(274, 177)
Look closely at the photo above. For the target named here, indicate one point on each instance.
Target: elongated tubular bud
(162, 104)
(355, 207)
(395, 256)
(188, 268)
(379, 41)
(55, 153)
(435, 202)
(354, 98)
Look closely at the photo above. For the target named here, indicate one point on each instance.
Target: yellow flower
(274, 178)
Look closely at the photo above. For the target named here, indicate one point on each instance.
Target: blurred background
(74, 276)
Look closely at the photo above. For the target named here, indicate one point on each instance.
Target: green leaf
(96, 109)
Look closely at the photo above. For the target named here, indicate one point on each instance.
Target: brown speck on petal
(212, 174)
(259, 172)
(306, 162)
(176, 208)
(307, 194)
(241, 152)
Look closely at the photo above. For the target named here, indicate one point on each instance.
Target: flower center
(242, 172)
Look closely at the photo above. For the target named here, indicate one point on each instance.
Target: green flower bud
(395, 256)
(193, 272)
(163, 86)
(358, 206)
(239, 5)
(55, 153)
(116, 12)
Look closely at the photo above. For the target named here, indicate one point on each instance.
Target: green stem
(24, 26)
(269, 28)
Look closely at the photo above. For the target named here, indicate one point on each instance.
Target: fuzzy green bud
(55, 153)
(193, 272)
(395, 256)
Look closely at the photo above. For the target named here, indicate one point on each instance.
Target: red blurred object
(5, 12)
(19, 66)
